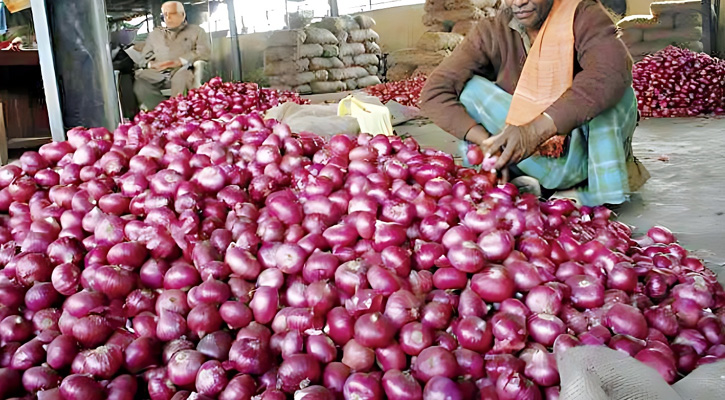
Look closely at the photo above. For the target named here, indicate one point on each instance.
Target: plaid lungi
(595, 159)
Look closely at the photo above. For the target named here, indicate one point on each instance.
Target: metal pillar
(83, 66)
(236, 54)
(334, 11)
(47, 69)
(155, 7)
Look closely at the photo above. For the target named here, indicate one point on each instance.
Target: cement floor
(685, 193)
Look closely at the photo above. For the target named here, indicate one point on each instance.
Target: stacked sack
(359, 51)
(677, 23)
(457, 16)
(430, 51)
(332, 55)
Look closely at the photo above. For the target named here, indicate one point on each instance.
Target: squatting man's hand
(516, 143)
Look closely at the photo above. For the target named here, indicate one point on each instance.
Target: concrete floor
(684, 193)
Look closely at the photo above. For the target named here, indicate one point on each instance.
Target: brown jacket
(496, 51)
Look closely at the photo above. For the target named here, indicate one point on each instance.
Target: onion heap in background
(202, 252)
(677, 82)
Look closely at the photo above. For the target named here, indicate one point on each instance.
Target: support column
(334, 11)
(236, 53)
(83, 66)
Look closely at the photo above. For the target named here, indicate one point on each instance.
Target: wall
(398, 27)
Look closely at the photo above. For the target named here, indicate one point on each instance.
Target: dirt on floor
(685, 193)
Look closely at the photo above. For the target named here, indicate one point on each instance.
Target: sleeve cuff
(464, 127)
(562, 118)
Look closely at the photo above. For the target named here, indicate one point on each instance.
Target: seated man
(545, 71)
(169, 54)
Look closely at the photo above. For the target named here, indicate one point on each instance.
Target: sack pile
(457, 16)
(430, 51)
(677, 23)
(332, 55)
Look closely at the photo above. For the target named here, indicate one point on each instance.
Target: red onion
(545, 328)
(363, 386)
(493, 284)
(626, 320)
(661, 362)
(435, 361)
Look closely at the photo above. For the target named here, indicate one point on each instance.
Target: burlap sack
(364, 21)
(338, 74)
(281, 87)
(434, 41)
(303, 89)
(336, 25)
(646, 48)
(681, 35)
(321, 75)
(423, 70)
(327, 87)
(352, 49)
(289, 53)
(292, 37)
(351, 84)
(372, 48)
(368, 81)
(438, 28)
(293, 79)
(674, 7)
(441, 17)
(637, 21)
(460, 4)
(317, 63)
(342, 37)
(434, 5)
(366, 59)
(330, 50)
(399, 72)
(363, 35)
(286, 67)
(371, 69)
(357, 72)
(347, 61)
(694, 46)
(688, 19)
(631, 35)
(319, 35)
(463, 27)
(417, 57)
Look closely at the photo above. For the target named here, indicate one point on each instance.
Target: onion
(545, 328)
(586, 292)
(626, 320)
(435, 361)
(493, 284)
(661, 362)
(363, 386)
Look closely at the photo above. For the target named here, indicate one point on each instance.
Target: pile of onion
(227, 258)
(405, 92)
(677, 82)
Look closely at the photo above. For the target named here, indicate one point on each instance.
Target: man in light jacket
(169, 55)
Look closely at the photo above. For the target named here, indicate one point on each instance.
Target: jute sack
(351, 84)
(303, 89)
(371, 69)
(327, 87)
(293, 79)
(321, 75)
(646, 48)
(338, 74)
(437, 28)
(459, 4)
(673, 35)
(694, 46)
(372, 48)
(291, 37)
(417, 57)
(358, 72)
(363, 35)
(352, 49)
(463, 27)
(347, 61)
(440, 17)
(366, 59)
(330, 50)
(317, 63)
(364, 21)
(434, 41)
(368, 81)
(434, 5)
(286, 67)
(289, 53)
(631, 35)
(336, 25)
(399, 72)
(319, 36)
(674, 7)
(342, 37)
(637, 21)
(688, 19)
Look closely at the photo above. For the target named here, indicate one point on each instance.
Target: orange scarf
(549, 68)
